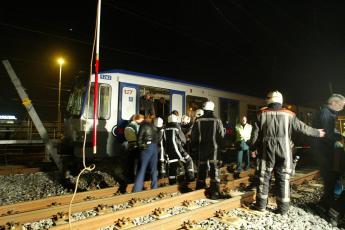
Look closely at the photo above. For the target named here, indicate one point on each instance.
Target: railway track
(21, 207)
(159, 210)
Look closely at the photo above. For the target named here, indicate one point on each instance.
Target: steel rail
(82, 206)
(27, 206)
(175, 222)
(108, 219)
(65, 199)
(29, 216)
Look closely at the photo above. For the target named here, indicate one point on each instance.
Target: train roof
(163, 78)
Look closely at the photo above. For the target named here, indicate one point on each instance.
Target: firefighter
(207, 136)
(158, 123)
(174, 141)
(272, 132)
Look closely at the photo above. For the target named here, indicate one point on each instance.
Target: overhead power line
(163, 25)
(232, 25)
(80, 41)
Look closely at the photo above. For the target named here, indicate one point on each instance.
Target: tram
(119, 98)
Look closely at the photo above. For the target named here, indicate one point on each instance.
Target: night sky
(249, 47)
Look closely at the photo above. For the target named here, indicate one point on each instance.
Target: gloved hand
(338, 145)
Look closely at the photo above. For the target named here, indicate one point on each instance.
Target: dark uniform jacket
(273, 129)
(147, 135)
(174, 138)
(326, 120)
(207, 136)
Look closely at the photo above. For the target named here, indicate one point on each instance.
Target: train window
(160, 101)
(104, 92)
(104, 101)
(194, 103)
(74, 103)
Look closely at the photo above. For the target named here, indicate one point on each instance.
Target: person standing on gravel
(207, 138)
(148, 156)
(272, 136)
(243, 132)
(326, 148)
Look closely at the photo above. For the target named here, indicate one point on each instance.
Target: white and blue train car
(119, 98)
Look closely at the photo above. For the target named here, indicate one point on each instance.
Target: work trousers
(148, 159)
(242, 154)
(329, 176)
(281, 162)
(174, 161)
(205, 167)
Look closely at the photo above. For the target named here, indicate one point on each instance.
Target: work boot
(172, 181)
(257, 208)
(215, 191)
(190, 177)
(260, 204)
(200, 184)
(280, 211)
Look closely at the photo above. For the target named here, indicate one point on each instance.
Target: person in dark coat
(147, 105)
(148, 157)
(173, 144)
(162, 108)
(131, 133)
(325, 148)
(272, 132)
(207, 137)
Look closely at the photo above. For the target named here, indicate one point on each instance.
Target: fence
(25, 130)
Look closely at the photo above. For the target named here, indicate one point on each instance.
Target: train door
(128, 106)
(229, 111)
(128, 101)
(229, 114)
(177, 101)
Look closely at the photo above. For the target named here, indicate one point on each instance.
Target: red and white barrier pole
(95, 95)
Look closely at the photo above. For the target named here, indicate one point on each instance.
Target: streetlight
(60, 61)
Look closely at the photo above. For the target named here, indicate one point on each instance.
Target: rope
(92, 166)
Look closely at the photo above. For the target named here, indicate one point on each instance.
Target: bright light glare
(61, 61)
(8, 117)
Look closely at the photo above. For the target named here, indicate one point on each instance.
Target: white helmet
(158, 122)
(173, 118)
(274, 97)
(209, 105)
(185, 119)
(199, 112)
